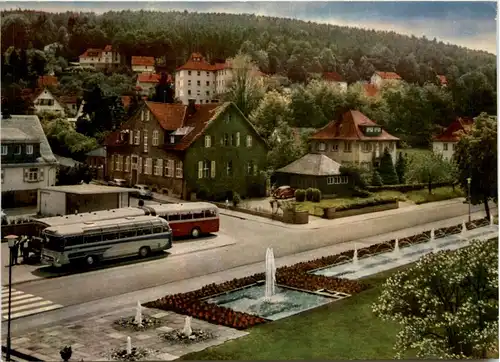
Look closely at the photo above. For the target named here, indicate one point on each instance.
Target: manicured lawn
(345, 329)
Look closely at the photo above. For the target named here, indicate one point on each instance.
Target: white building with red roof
(146, 82)
(100, 58)
(379, 79)
(335, 78)
(446, 142)
(202, 82)
(353, 138)
(143, 64)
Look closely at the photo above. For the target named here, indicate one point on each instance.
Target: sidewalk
(129, 300)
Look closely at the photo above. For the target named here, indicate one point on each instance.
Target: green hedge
(406, 188)
(300, 195)
(359, 204)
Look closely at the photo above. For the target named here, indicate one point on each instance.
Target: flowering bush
(447, 304)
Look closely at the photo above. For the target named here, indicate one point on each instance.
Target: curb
(21, 355)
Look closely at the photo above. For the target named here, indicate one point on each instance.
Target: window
(249, 141)
(139, 167)
(226, 139)
(250, 168)
(206, 169)
(210, 213)
(208, 83)
(199, 73)
(335, 147)
(208, 75)
(189, 72)
(366, 147)
(198, 83)
(145, 141)
(208, 93)
(2, 174)
(155, 138)
(158, 167)
(147, 116)
(117, 163)
(178, 170)
(237, 139)
(198, 215)
(186, 216)
(127, 164)
(169, 168)
(208, 141)
(347, 146)
(454, 146)
(172, 139)
(17, 150)
(321, 146)
(29, 149)
(137, 137)
(142, 115)
(445, 147)
(131, 137)
(148, 166)
(174, 217)
(229, 168)
(189, 91)
(337, 180)
(189, 82)
(33, 174)
(4, 150)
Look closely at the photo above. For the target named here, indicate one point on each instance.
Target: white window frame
(145, 141)
(29, 149)
(250, 168)
(178, 169)
(5, 150)
(117, 163)
(148, 166)
(142, 115)
(229, 168)
(206, 169)
(337, 180)
(17, 149)
(156, 136)
(347, 146)
(137, 137)
(249, 141)
(147, 115)
(213, 174)
(126, 167)
(200, 169)
(208, 141)
(237, 139)
(445, 146)
(366, 147)
(33, 174)
(131, 137)
(156, 167)
(321, 146)
(335, 147)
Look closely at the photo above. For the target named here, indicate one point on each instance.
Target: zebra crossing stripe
(5, 299)
(34, 311)
(30, 306)
(24, 301)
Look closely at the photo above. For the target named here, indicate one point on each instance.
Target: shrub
(359, 204)
(316, 195)
(387, 170)
(309, 194)
(406, 187)
(357, 192)
(355, 175)
(376, 179)
(236, 199)
(300, 195)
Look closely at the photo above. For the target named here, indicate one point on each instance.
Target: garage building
(64, 200)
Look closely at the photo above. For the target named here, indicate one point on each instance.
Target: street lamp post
(12, 242)
(468, 193)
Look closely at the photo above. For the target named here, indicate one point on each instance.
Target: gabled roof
(30, 125)
(47, 80)
(169, 116)
(91, 50)
(148, 78)
(68, 99)
(143, 61)
(333, 77)
(348, 128)
(454, 130)
(108, 48)
(388, 75)
(197, 62)
(313, 164)
(98, 152)
(11, 135)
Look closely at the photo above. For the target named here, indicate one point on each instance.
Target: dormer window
(4, 150)
(372, 130)
(172, 139)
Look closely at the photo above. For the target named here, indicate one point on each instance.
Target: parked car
(284, 192)
(118, 182)
(143, 192)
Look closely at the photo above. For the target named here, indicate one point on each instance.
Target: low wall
(407, 187)
(250, 212)
(364, 210)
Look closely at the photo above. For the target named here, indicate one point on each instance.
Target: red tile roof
(143, 61)
(68, 99)
(442, 79)
(148, 78)
(332, 77)
(170, 116)
(126, 101)
(348, 128)
(388, 75)
(371, 90)
(108, 48)
(455, 130)
(95, 53)
(47, 80)
(197, 62)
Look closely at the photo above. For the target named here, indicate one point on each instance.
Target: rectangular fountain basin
(284, 303)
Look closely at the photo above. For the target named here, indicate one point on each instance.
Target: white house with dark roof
(45, 101)
(27, 160)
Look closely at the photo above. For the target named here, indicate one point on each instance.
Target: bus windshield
(52, 242)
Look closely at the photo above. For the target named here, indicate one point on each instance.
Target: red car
(284, 192)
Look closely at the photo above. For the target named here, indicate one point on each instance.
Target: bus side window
(186, 216)
(198, 215)
(110, 236)
(157, 230)
(209, 213)
(74, 240)
(148, 230)
(174, 217)
(166, 229)
(140, 231)
(128, 234)
(93, 238)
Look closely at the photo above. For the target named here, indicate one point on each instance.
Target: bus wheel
(195, 232)
(144, 252)
(90, 260)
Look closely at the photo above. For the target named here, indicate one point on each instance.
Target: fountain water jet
(129, 345)
(355, 261)
(138, 315)
(396, 251)
(492, 221)
(270, 274)
(187, 331)
(433, 236)
(464, 229)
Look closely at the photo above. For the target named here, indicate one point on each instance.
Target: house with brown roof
(45, 101)
(205, 150)
(446, 142)
(100, 58)
(335, 78)
(47, 81)
(355, 139)
(147, 81)
(379, 79)
(143, 64)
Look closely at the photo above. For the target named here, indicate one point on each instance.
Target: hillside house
(45, 101)
(47, 81)
(143, 64)
(335, 78)
(446, 142)
(100, 58)
(355, 139)
(27, 160)
(184, 150)
(147, 82)
(379, 79)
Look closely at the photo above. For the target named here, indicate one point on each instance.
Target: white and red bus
(188, 219)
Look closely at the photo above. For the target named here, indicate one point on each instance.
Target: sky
(471, 24)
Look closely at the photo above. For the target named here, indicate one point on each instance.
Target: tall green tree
(476, 157)
(386, 169)
(446, 304)
(273, 109)
(429, 168)
(401, 167)
(283, 147)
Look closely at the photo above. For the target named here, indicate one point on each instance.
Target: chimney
(191, 109)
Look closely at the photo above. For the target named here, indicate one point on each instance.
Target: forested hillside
(290, 47)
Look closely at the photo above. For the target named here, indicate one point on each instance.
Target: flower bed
(294, 276)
